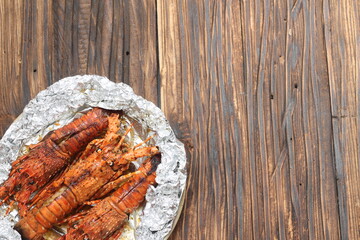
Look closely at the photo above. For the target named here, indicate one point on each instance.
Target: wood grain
(12, 94)
(264, 94)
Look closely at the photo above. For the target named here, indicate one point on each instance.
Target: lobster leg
(4, 200)
(10, 207)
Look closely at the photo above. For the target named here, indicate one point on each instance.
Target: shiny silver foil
(66, 99)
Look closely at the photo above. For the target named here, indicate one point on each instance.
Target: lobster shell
(46, 159)
(108, 216)
(80, 182)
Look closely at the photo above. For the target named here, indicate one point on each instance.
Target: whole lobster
(107, 217)
(91, 173)
(46, 159)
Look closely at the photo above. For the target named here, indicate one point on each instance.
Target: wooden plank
(342, 43)
(142, 56)
(264, 94)
(11, 44)
(284, 108)
(197, 70)
(44, 41)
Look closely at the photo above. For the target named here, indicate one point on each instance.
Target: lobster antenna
(146, 140)
(123, 137)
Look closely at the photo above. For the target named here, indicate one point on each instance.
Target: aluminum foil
(64, 100)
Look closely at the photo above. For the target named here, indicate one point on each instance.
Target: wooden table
(264, 94)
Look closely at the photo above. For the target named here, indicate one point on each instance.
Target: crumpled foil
(60, 103)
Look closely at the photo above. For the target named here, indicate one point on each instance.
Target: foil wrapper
(60, 104)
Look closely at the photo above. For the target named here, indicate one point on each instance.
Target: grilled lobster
(81, 181)
(46, 159)
(107, 217)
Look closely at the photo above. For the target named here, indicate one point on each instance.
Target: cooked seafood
(107, 217)
(104, 160)
(46, 159)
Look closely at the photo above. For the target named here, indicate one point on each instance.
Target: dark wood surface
(264, 94)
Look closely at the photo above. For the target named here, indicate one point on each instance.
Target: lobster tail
(28, 231)
(39, 220)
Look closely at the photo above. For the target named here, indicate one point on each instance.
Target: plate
(62, 102)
